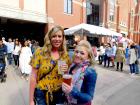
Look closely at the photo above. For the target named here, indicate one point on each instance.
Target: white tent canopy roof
(92, 29)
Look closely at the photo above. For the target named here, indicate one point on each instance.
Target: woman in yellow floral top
(46, 82)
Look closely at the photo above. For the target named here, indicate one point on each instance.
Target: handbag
(136, 62)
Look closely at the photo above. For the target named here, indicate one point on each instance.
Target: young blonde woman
(81, 90)
(46, 82)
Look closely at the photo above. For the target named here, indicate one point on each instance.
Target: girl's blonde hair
(47, 40)
(86, 44)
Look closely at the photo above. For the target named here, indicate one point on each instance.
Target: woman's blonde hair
(86, 44)
(48, 36)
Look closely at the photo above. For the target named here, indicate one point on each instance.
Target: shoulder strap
(44, 75)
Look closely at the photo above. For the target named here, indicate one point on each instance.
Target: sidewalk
(16, 90)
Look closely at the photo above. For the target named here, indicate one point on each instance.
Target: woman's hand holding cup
(66, 88)
(62, 67)
(67, 83)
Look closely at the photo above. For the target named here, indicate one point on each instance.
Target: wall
(8, 3)
(29, 10)
(35, 6)
(55, 10)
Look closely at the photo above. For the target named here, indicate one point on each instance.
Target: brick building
(118, 15)
(66, 13)
(29, 18)
(121, 16)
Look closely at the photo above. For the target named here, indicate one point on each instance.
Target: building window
(88, 8)
(112, 10)
(111, 17)
(92, 13)
(132, 12)
(68, 6)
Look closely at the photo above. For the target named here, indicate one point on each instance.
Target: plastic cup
(67, 78)
(60, 63)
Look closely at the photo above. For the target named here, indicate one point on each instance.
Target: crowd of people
(116, 54)
(18, 53)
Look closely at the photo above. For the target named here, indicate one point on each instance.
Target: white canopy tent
(90, 30)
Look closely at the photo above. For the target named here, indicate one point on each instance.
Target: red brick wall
(55, 10)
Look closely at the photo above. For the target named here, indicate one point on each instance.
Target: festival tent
(90, 30)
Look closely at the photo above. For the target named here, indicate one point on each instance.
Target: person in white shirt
(16, 52)
(24, 60)
(4, 41)
(101, 53)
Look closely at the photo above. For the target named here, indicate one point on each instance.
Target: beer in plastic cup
(67, 78)
(60, 63)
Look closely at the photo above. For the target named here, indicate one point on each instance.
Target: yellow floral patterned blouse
(47, 74)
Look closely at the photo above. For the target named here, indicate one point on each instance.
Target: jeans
(2, 68)
(137, 68)
(16, 59)
(106, 58)
(9, 57)
(40, 97)
(100, 58)
(132, 68)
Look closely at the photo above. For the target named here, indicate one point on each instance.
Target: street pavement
(116, 88)
(112, 88)
(15, 91)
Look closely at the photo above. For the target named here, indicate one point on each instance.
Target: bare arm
(32, 85)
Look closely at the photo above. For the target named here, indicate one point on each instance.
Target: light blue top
(10, 47)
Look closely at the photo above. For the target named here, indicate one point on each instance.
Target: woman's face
(57, 39)
(17, 42)
(81, 54)
(25, 43)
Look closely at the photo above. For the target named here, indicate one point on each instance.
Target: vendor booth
(91, 32)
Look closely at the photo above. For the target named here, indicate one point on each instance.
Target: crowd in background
(18, 53)
(109, 54)
(116, 54)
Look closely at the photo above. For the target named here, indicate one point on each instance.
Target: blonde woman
(81, 90)
(46, 82)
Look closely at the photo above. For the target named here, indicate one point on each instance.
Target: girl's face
(17, 42)
(81, 54)
(57, 39)
(25, 43)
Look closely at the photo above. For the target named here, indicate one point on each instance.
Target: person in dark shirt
(3, 51)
